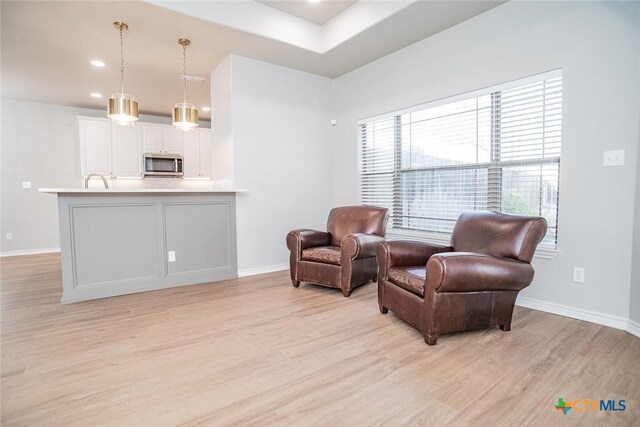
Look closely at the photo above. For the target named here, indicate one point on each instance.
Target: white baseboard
(633, 328)
(29, 252)
(575, 313)
(261, 270)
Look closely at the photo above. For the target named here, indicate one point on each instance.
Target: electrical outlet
(172, 256)
(578, 275)
(613, 158)
(8, 236)
(26, 184)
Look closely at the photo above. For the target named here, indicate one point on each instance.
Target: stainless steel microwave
(163, 165)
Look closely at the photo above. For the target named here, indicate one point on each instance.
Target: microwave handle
(176, 161)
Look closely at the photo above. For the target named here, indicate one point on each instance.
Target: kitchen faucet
(97, 175)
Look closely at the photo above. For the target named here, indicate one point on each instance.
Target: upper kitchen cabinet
(198, 148)
(117, 151)
(161, 139)
(126, 150)
(172, 138)
(109, 149)
(95, 146)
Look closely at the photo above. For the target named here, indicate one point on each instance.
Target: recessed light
(96, 95)
(97, 63)
(206, 109)
(314, 1)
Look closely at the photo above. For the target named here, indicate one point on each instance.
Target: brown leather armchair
(345, 255)
(471, 284)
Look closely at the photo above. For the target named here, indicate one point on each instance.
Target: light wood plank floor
(256, 351)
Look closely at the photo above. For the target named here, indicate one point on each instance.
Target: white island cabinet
(116, 242)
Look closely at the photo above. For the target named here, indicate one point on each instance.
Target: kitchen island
(123, 241)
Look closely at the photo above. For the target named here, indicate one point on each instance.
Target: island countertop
(139, 190)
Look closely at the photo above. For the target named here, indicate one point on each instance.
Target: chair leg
(295, 283)
(431, 339)
(506, 327)
(383, 310)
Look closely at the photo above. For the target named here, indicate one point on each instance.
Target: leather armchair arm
(472, 272)
(360, 245)
(304, 238)
(405, 252)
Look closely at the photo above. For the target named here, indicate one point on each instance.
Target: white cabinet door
(95, 146)
(152, 136)
(172, 140)
(127, 151)
(191, 154)
(206, 153)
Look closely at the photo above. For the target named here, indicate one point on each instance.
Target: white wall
(634, 301)
(221, 121)
(40, 144)
(281, 137)
(596, 45)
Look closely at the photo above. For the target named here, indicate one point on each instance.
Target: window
(496, 149)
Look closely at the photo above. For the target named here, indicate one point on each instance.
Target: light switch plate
(26, 184)
(613, 158)
(8, 236)
(172, 256)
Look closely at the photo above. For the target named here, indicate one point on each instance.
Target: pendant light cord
(121, 62)
(184, 70)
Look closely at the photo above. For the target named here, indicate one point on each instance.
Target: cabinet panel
(95, 147)
(191, 154)
(172, 140)
(200, 236)
(152, 139)
(206, 154)
(114, 242)
(127, 151)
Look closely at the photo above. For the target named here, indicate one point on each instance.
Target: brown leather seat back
(356, 219)
(499, 235)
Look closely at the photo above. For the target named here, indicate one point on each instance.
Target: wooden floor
(256, 351)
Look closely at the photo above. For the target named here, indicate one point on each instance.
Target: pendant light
(122, 108)
(185, 115)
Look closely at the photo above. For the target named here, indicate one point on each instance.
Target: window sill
(444, 240)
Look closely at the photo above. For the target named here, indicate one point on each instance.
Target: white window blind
(497, 149)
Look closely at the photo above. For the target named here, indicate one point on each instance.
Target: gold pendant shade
(122, 109)
(185, 115)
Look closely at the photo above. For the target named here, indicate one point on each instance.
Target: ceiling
(47, 46)
(318, 13)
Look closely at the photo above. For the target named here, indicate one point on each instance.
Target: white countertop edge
(139, 190)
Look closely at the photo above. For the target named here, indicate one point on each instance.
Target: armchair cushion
(472, 272)
(410, 279)
(324, 254)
